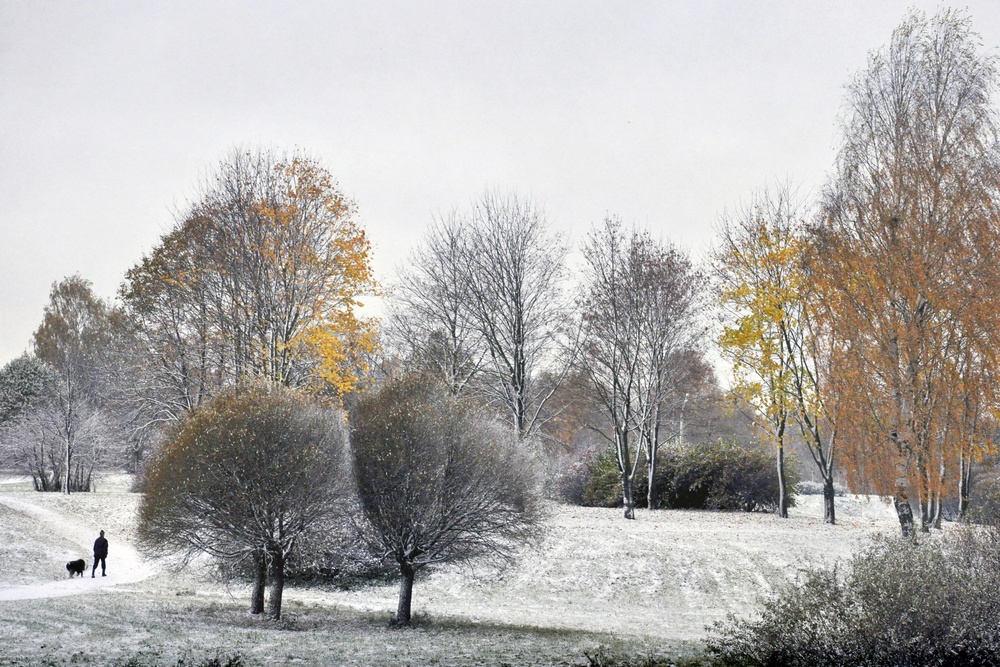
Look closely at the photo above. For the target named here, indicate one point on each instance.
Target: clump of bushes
(897, 603)
(721, 475)
(567, 480)
(810, 488)
(603, 487)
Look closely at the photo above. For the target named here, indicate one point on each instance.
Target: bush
(984, 501)
(567, 479)
(604, 483)
(811, 488)
(900, 603)
(722, 476)
(716, 476)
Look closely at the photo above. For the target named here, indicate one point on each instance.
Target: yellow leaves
(763, 285)
(341, 349)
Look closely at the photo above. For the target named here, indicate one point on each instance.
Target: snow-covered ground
(593, 579)
(43, 531)
(666, 575)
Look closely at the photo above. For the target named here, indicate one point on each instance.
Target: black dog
(76, 567)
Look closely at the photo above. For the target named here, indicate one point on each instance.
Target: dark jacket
(101, 548)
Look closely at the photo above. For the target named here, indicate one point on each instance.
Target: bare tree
(639, 312)
(438, 482)
(243, 480)
(515, 269)
(431, 321)
(73, 423)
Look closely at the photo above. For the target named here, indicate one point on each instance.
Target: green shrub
(722, 475)
(603, 487)
(898, 603)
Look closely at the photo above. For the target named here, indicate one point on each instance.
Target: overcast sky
(664, 113)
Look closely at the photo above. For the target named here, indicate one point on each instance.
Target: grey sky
(662, 112)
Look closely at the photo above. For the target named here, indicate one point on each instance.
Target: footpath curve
(125, 566)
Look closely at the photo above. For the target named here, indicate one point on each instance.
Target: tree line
(859, 323)
(870, 322)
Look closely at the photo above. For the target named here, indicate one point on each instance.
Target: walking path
(124, 564)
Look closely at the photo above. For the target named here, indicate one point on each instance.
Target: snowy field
(649, 586)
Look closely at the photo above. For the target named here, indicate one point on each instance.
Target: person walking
(100, 553)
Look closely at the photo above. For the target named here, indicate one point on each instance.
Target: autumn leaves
(260, 279)
(875, 319)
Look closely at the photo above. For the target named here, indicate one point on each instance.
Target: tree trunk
(652, 493)
(405, 594)
(925, 498)
(925, 513)
(782, 485)
(625, 466)
(627, 496)
(277, 587)
(259, 582)
(938, 492)
(68, 461)
(905, 514)
(964, 475)
(829, 515)
(652, 497)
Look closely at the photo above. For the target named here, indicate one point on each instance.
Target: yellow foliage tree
(260, 280)
(767, 336)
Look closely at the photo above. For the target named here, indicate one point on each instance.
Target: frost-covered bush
(896, 603)
(810, 488)
(721, 475)
(984, 500)
(567, 483)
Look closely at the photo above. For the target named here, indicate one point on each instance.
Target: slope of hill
(665, 575)
(594, 579)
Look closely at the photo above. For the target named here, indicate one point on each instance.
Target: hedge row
(720, 475)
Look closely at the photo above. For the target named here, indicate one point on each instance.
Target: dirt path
(124, 564)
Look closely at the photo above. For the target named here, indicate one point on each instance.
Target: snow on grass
(31, 553)
(665, 575)
(595, 579)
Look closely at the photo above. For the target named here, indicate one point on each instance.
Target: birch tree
(907, 254)
(779, 346)
(639, 308)
(71, 428)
